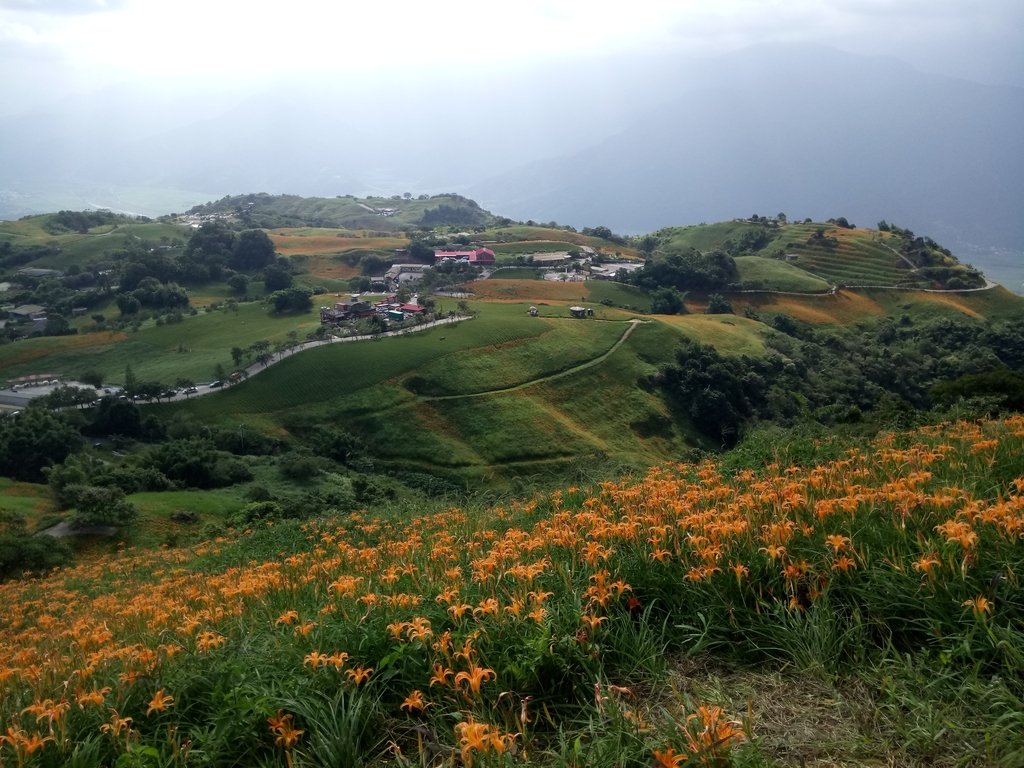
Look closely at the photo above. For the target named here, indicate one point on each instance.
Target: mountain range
(634, 145)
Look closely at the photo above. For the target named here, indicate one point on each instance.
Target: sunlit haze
(51, 47)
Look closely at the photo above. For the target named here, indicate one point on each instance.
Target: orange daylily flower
(159, 702)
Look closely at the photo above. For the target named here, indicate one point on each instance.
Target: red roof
(412, 308)
(471, 254)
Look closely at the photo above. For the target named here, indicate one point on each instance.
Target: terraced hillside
(849, 257)
(816, 252)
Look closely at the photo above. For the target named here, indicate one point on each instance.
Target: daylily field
(545, 631)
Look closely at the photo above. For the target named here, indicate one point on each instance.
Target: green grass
(96, 245)
(154, 525)
(402, 395)
(778, 275)
(728, 333)
(28, 500)
(707, 237)
(619, 294)
(191, 349)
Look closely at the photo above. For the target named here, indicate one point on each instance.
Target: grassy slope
(862, 575)
(779, 275)
(366, 388)
(86, 248)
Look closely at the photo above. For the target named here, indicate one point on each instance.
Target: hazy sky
(52, 47)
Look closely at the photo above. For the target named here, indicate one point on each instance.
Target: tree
(252, 249)
(277, 277)
(97, 506)
(92, 377)
(359, 284)
(33, 440)
(292, 300)
(237, 356)
(57, 325)
(666, 301)
(131, 382)
(128, 304)
(239, 284)
(421, 252)
(718, 305)
(211, 240)
(114, 416)
(261, 350)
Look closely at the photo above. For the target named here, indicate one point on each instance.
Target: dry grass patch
(529, 290)
(793, 718)
(293, 242)
(952, 300)
(33, 349)
(842, 308)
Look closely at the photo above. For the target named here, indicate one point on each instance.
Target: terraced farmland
(861, 257)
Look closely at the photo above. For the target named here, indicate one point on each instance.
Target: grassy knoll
(707, 237)
(861, 608)
(778, 275)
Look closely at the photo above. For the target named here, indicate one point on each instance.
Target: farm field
(667, 618)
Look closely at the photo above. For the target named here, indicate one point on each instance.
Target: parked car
(216, 384)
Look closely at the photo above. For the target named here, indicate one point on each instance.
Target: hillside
(813, 256)
(392, 214)
(667, 617)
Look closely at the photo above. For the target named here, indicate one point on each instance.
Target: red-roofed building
(414, 309)
(479, 256)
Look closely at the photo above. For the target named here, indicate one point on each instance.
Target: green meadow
(778, 275)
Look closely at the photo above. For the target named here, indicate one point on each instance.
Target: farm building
(346, 310)
(581, 312)
(483, 257)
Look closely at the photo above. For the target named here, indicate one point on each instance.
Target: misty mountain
(809, 132)
(633, 143)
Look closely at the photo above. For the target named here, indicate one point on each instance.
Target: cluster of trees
(836, 375)
(83, 221)
(685, 269)
(465, 214)
(152, 294)
(213, 252)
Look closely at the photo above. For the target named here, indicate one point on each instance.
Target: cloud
(63, 7)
